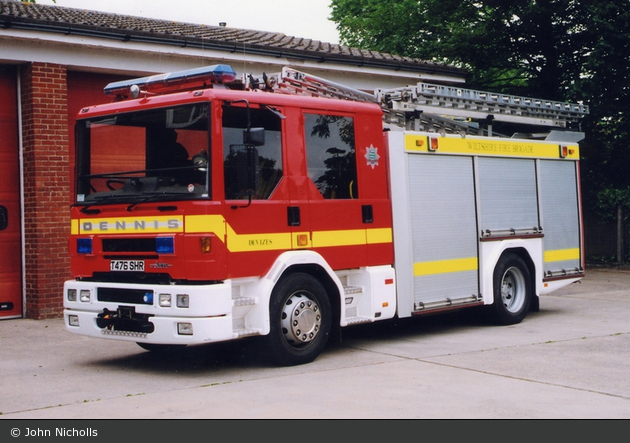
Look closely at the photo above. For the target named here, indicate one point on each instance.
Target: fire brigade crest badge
(372, 156)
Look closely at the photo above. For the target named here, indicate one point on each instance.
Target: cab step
(246, 332)
(358, 320)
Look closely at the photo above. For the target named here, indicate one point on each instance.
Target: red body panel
(249, 237)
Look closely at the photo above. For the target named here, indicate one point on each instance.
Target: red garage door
(85, 89)
(10, 244)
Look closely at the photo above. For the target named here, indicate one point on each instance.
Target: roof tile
(30, 16)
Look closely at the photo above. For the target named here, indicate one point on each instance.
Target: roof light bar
(170, 81)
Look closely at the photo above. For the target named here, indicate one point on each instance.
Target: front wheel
(300, 317)
(512, 290)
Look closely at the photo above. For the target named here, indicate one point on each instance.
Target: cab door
(337, 215)
(255, 191)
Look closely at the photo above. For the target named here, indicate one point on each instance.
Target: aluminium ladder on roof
(292, 81)
(438, 101)
(469, 103)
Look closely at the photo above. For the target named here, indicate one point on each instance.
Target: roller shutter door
(560, 215)
(10, 236)
(445, 253)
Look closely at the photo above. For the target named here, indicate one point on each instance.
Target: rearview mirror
(254, 136)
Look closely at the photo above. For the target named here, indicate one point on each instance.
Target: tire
(300, 320)
(512, 290)
(160, 348)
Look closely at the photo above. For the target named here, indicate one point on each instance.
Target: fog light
(183, 300)
(72, 295)
(84, 295)
(165, 300)
(73, 320)
(184, 329)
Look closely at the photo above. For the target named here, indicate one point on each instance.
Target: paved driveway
(570, 360)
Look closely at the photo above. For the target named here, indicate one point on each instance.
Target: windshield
(158, 154)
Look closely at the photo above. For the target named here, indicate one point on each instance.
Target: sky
(297, 18)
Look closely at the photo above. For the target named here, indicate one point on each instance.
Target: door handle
(293, 216)
(4, 218)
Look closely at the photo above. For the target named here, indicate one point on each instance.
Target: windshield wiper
(152, 196)
(125, 198)
(98, 200)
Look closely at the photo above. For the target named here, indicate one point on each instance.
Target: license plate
(126, 265)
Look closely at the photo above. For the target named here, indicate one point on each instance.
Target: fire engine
(212, 208)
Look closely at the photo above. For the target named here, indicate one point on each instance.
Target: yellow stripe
(445, 266)
(503, 147)
(130, 225)
(235, 242)
(74, 227)
(379, 235)
(205, 223)
(562, 255)
(322, 239)
(257, 242)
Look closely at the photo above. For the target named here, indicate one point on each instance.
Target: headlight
(165, 300)
(183, 300)
(84, 295)
(72, 295)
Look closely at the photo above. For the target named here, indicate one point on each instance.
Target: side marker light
(302, 240)
(564, 151)
(433, 144)
(206, 245)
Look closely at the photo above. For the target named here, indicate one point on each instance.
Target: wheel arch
(332, 290)
(529, 250)
(524, 254)
(288, 263)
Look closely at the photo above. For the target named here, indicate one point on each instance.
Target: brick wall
(46, 187)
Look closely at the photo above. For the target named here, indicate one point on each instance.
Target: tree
(571, 50)
(511, 47)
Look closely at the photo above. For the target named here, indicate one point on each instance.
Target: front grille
(130, 277)
(122, 295)
(129, 245)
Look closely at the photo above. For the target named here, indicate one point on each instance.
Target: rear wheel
(300, 316)
(512, 290)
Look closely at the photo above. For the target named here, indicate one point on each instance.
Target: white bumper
(208, 317)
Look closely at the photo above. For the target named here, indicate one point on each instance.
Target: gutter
(7, 22)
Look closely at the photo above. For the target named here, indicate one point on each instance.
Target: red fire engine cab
(207, 209)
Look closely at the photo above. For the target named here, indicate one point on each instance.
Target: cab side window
(330, 155)
(235, 119)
